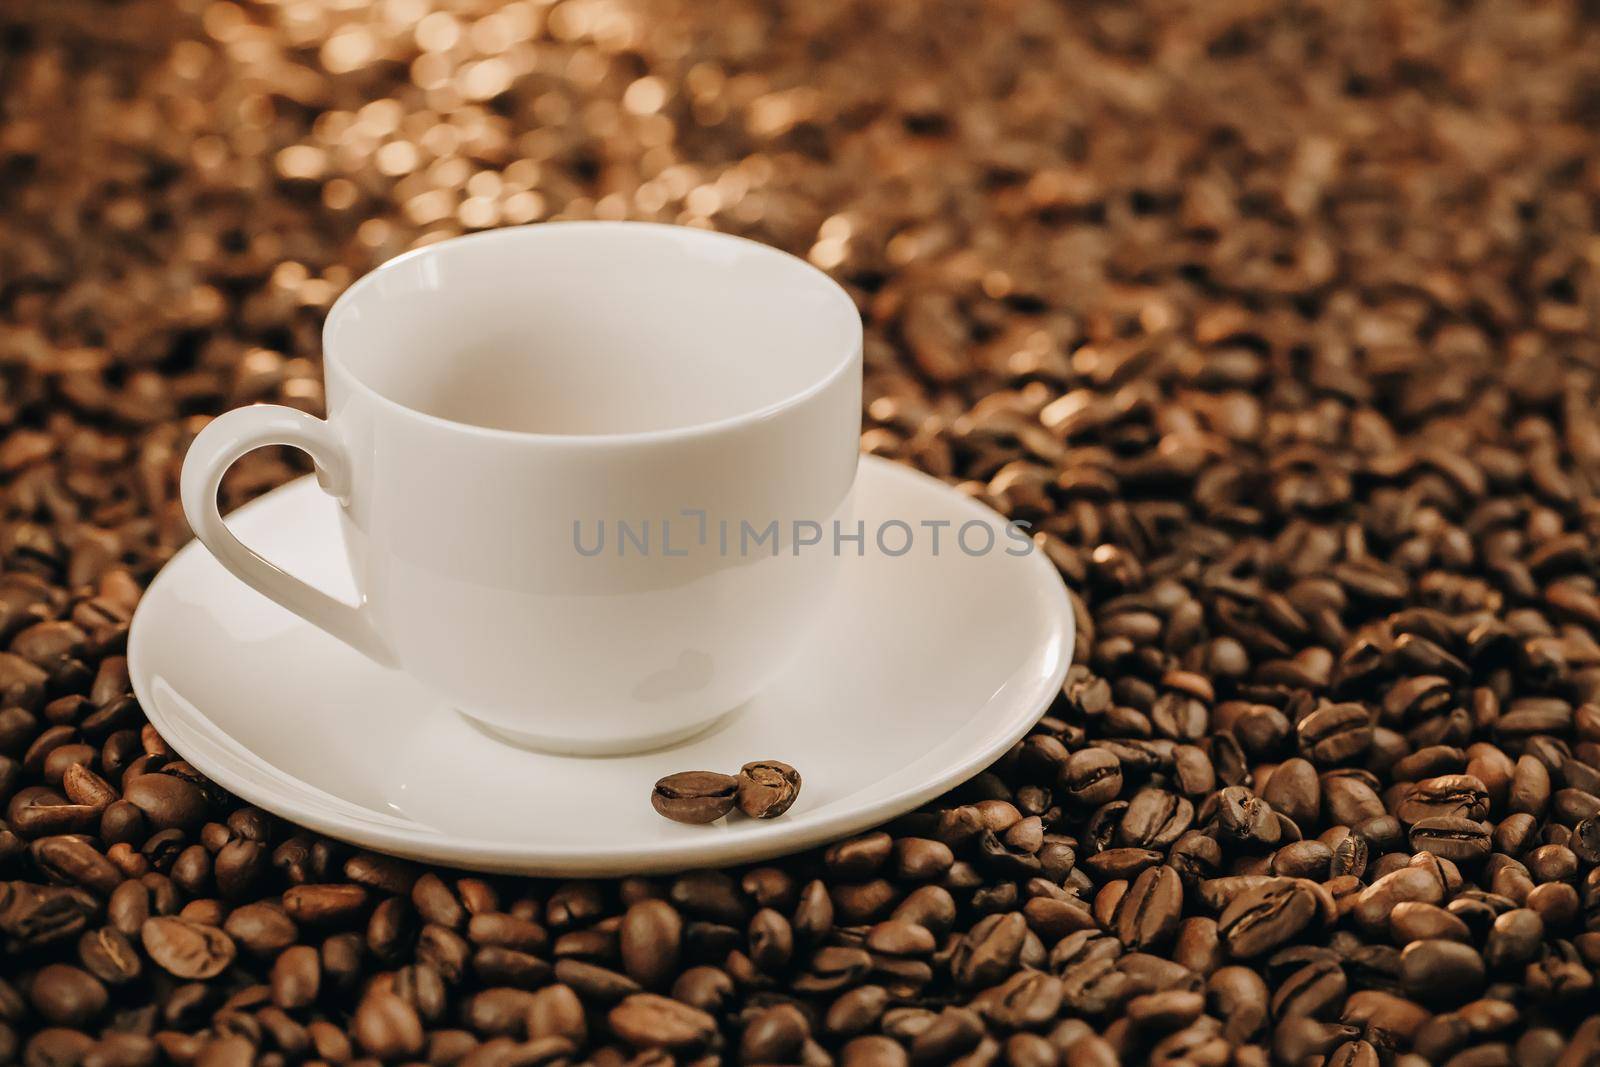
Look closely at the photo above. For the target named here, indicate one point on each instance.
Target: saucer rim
(601, 860)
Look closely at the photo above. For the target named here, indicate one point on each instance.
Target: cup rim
(353, 293)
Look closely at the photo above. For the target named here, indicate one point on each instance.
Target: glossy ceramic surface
(501, 404)
(926, 669)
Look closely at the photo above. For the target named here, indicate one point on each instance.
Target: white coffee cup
(499, 403)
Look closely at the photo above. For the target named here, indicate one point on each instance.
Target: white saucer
(927, 669)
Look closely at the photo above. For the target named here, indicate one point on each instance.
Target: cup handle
(214, 450)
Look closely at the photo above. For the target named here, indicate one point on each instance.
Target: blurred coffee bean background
(1278, 322)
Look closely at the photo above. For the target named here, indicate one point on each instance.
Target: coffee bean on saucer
(695, 796)
(767, 788)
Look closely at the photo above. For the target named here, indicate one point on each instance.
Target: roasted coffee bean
(387, 1027)
(774, 1035)
(122, 823)
(1266, 916)
(1514, 940)
(920, 859)
(1052, 919)
(695, 796)
(873, 1050)
(1303, 859)
(110, 956)
(1195, 856)
(1353, 1054)
(1441, 973)
(896, 937)
(36, 811)
(1585, 840)
(1530, 787)
(499, 1012)
(952, 1033)
(1571, 806)
(55, 1046)
(324, 904)
(136, 1050)
(75, 861)
(1030, 1050)
(1217, 893)
(1240, 997)
(864, 902)
(705, 988)
(1193, 1044)
(1114, 863)
(1453, 838)
(645, 1020)
(1350, 856)
(1383, 834)
(168, 801)
(1317, 989)
(856, 1011)
(651, 939)
(187, 949)
(1295, 791)
(1299, 1038)
(1198, 946)
(556, 1011)
(1415, 921)
(1429, 762)
(1388, 1020)
(1556, 903)
(1154, 819)
(1026, 1001)
(261, 929)
(771, 941)
(1244, 818)
(67, 996)
(766, 789)
(1148, 914)
(436, 902)
(497, 965)
(1192, 773)
(1375, 903)
(989, 952)
(1090, 1050)
(860, 858)
(391, 929)
(238, 867)
(1450, 796)
(1092, 776)
(1165, 1011)
(422, 987)
(1349, 800)
(1335, 733)
(1551, 863)
(83, 786)
(592, 981)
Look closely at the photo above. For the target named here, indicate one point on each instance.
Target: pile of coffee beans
(1277, 322)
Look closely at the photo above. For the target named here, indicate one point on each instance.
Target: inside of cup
(593, 328)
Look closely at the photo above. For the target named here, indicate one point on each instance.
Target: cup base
(601, 747)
